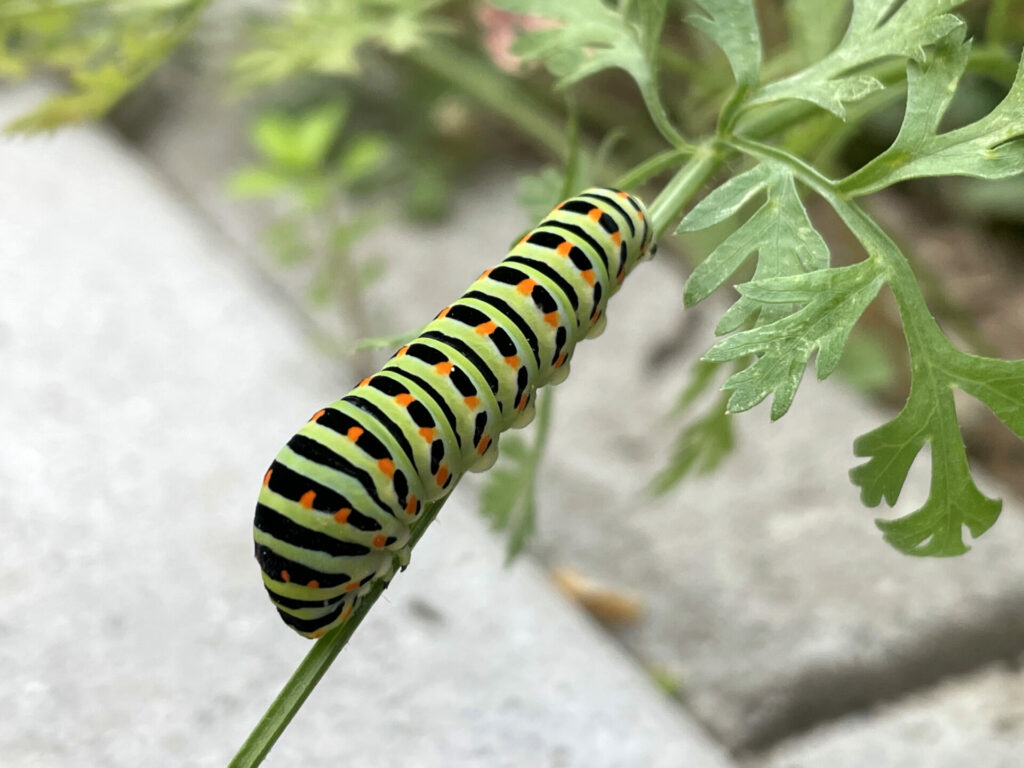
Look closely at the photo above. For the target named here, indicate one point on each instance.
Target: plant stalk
(314, 666)
(497, 92)
(681, 189)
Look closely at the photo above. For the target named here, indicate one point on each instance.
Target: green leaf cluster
(308, 162)
(989, 148)
(705, 441)
(591, 37)
(878, 29)
(796, 306)
(324, 36)
(779, 232)
(296, 158)
(105, 49)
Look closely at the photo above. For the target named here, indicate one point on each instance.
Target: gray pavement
(971, 720)
(146, 378)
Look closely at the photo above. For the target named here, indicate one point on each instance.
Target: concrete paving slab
(769, 591)
(146, 380)
(976, 719)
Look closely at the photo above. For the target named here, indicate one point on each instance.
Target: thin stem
(680, 190)
(998, 21)
(544, 410)
(652, 166)
(314, 666)
(497, 92)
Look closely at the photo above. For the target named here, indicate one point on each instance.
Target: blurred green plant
(324, 36)
(105, 49)
(310, 168)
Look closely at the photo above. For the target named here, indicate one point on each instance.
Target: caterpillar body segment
(337, 503)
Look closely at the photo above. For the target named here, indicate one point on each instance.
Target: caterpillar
(336, 505)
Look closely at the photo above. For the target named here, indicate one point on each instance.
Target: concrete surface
(975, 720)
(769, 591)
(146, 380)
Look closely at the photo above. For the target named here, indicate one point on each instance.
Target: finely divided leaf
(732, 24)
(873, 35)
(779, 231)
(593, 37)
(700, 448)
(833, 300)
(997, 383)
(954, 501)
(990, 148)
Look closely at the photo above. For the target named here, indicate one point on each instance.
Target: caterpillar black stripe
(338, 502)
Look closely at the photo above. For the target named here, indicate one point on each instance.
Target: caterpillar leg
(528, 411)
(560, 373)
(598, 327)
(487, 458)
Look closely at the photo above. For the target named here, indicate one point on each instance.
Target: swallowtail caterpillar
(336, 506)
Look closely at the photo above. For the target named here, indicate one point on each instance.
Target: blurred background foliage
(366, 109)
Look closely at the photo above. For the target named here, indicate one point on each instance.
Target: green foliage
(732, 24)
(307, 163)
(989, 148)
(779, 232)
(875, 32)
(954, 501)
(831, 301)
(592, 37)
(705, 441)
(106, 50)
(323, 36)
(805, 307)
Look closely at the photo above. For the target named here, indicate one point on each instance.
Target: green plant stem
(314, 666)
(497, 92)
(681, 189)
(997, 22)
(540, 439)
(652, 166)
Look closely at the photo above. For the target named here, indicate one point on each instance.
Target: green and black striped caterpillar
(336, 506)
